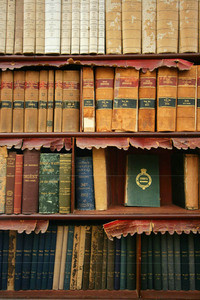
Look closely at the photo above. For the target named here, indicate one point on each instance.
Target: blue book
(131, 262)
(68, 262)
(40, 261)
(117, 264)
(26, 265)
(177, 262)
(191, 261)
(52, 257)
(18, 261)
(156, 255)
(123, 260)
(197, 260)
(4, 274)
(1, 254)
(84, 183)
(45, 270)
(34, 262)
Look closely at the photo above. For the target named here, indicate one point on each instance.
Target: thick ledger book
(185, 180)
(65, 183)
(188, 26)
(84, 26)
(11, 260)
(198, 99)
(18, 184)
(110, 264)
(19, 12)
(177, 262)
(86, 263)
(52, 26)
(3, 167)
(10, 26)
(156, 258)
(185, 282)
(147, 101)
(34, 260)
(42, 103)
(99, 258)
(170, 261)
(40, 27)
(3, 9)
(167, 26)
(29, 26)
(104, 264)
(40, 259)
(63, 258)
(149, 33)
(75, 254)
(46, 255)
(71, 101)
(18, 101)
(26, 263)
(30, 181)
(125, 105)
(88, 100)
(5, 253)
(142, 186)
(84, 183)
(113, 27)
(131, 262)
(164, 262)
(10, 182)
(187, 100)
(93, 257)
(68, 261)
(31, 101)
(101, 27)
(18, 261)
(144, 261)
(52, 257)
(58, 100)
(81, 257)
(100, 178)
(123, 264)
(166, 99)
(104, 89)
(93, 25)
(58, 253)
(49, 183)
(131, 26)
(117, 264)
(50, 101)
(6, 101)
(192, 266)
(75, 31)
(66, 24)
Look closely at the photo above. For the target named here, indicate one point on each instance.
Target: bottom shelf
(153, 294)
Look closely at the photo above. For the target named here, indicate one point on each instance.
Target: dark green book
(26, 265)
(123, 258)
(164, 261)
(34, 261)
(144, 261)
(191, 261)
(185, 282)
(110, 265)
(49, 183)
(18, 261)
(104, 262)
(68, 261)
(46, 255)
(52, 257)
(65, 183)
(170, 261)
(150, 262)
(99, 256)
(131, 262)
(156, 254)
(177, 262)
(197, 260)
(40, 261)
(142, 181)
(117, 264)
(86, 263)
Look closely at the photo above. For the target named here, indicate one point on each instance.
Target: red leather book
(18, 184)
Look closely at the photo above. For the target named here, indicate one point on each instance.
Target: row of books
(111, 99)
(69, 257)
(99, 26)
(170, 262)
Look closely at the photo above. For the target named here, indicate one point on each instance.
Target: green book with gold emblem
(142, 187)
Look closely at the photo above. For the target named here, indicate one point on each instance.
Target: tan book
(40, 27)
(113, 27)
(50, 101)
(88, 100)
(6, 101)
(11, 260)
(101, 28)
(3, 167)
(58, 254)
(93, 257)
(147, 101)
(3, 10)
(104, 88)
(42, 111)
(18, 101)
(131, 26)
(66, 25)
(10, 26)
(93, 26)
(29, 26)
(75, 254)
(148, 26)
(100, 178)
(188, 26)
(63, 258)
(187, 100)
(71, 101)
(125, 106)
(167, 26)
(166, 99)
(198, 98)
(58, 100)
(31, 101)
(75, 40)
(81, 257)
(19, 13)
(84, 26)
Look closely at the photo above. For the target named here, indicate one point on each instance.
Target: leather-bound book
(65, 183)
(58, 253)
(84, 26)
(6, 101)
(11, 260)
(18, 184)
(30, 181)
(18, 101)
(19, 13)
(10, 27)
(148, 26)
(86, 264)
(50, 101)
(3, 166)
(88, 100)
(75, 254)
(99, 257)
(58, 100)
(10, 183)
(81, 257)
(42, 107)
(93, 257)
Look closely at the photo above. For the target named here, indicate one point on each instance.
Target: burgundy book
(30, 181)
(18, 184)
(10, 182)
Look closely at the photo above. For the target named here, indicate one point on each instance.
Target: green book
(177, 262)
(123, 263)
(86, 263)
(150, 263)
(164, 262)
(110, 265)
(131, 262)
(144, 262)
(185, 283)
(142, 186)
(49, 183)
(156, 255)
(170, 260)
(65, 183)
(191, 261)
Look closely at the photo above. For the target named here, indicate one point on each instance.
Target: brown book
(11, 260)
(198, 98)
(75, 253)
(18, 184)
(58, 254)
(30, 181)
(58, 101)
(31, 101)
(166, 99)
(50, 101)
(187, 100)
(93, 257)
(18, 48)
(6, 101)
(191, 169)
(147, 101)
(71, 101)
(42, 111)
(10, 183)
(18, 101)
(104, 87)
(125, 106)
(3, 165)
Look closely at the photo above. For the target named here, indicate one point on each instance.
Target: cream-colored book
(188, 26)
(148, 26)
(40, 26)
(101, 27)
(52, 26)
(66, 24)
(10, 31)
(84, 26)
(131, 26)
(75, 27)
(63, 258)
(113, 27)
(167, 26)
(19, 9)
(29, 26)
(94, 14)
(81, 258)
(58, 254)
(3, 10)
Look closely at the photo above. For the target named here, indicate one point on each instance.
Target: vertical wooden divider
(81, 100)
(138, 264)
(73, 177)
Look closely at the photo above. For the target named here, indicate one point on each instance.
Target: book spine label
(148, 26)
(3, 9)
(10, 27)
(10, 183)
(101, 27)
(66, 24)
(18, 101)
(29, 26)
(58, 100)
(50, 101)
(65, 183)
(3, 167)
(19, 12)
(88, 100)
(93, 25)
(42, 104)
(40, 27)
(6, 101)
(75, 27)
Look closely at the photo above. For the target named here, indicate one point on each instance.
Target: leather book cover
(68, 262)
(65, 183)
(18, 101)
(88, 100)
(111, 264)
(50, 101)
(104, 262)
(58, 100)
(18, 184)
(93, 257)
(18, 260)
(3, 167)
(75, 254)
(63, 258)
(10, 182)
(99, 258)
(52, 257)
(86, 264)
(42, 104)
(149, 26)
(10, 26)
(6, 101)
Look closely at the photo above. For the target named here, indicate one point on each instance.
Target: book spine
(191, 170)
(191, 261)
(156, 256)
(93, 257)
(177, 175)
(144, 261)
(147, 101)
(1, 254)
(198, 97)
(40, 27)
(11, 260)
(26, 264)
(18, 261)
(18, 184)
(31, 101)
(81, 257)
(5, 253)
(150, 262)
(104, 88)
(131, 262)
(3, 167)
(149, 26)
(99, 258)
(185, 283)
(42, 104)
(88, 100)
(93, 25)
(65, 183)
(50, 101)
(125, 105)
(18, 101)
(164, 261)
(177, 262)
(84, 26)
(63, 258)
(131, 26)
(113, 27)
(66, 24)
(29, 26)
(75, 254)
(19, 14)
(68, 262)
(52, 26)
(86, 264)
(166, 99)
(59, 242)
(117, 264)
(197, 261)
(110, 265)
(45, 261)
(10, 26)
(34, 259)
(52, 257)
(10, 183)
(3, 9)
(6, 101)
(104, 262)
(170, 260)
(101, 27)
(58, 100)
(75, 39)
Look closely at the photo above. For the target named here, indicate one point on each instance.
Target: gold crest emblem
(143, 179)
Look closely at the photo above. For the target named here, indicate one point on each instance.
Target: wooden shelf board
(153, 294)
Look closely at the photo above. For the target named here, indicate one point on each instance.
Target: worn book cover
(18, 184)
(65, 183)
(58, 101)
(58, 254)
(10, 26)
(88, 100)
(10, 183)
(6, 101)
(3, 167)
(149, 26)
(11, 259)
(19, 12)
(42, 103)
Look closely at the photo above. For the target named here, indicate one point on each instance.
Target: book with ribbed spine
(185, 282)
(18, 101)
(34, 259)
(93, 25)
(11, 260)
(144, 261)
(110, 264)
(58, 253)
(75, 30)
(86, 263)
(75, 254)
(18, 184)
(149, 26)
(1, 252)
(66, 23)
(6, 101)
(198, 99)
(10, 182)
(104, 260)
(63, 258)
(192, 266)
(84, 26)
(10, 26)
(40, 27)
(18, 261)
(50, 101)
(40, 261)
(26, 263)
(117, 264)
(42, 103)
(156, 259)
(65, 183)
(150, 262)
(170, 261)
(3, 167)
(58, 100)
(68, 262)
(18, 40)
(3, 9)
(88, 100)
(29, 26)
(197, 261)
(164, 261)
